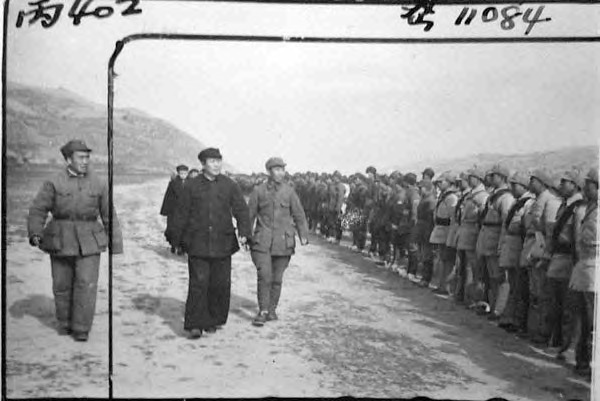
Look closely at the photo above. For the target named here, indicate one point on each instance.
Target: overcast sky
(330, 106)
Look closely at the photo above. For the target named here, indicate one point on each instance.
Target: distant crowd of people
(519, 248)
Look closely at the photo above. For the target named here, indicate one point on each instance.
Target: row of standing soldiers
(517, 247)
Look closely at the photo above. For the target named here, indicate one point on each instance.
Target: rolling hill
(41, 120)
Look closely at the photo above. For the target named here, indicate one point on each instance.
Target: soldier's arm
(38, 212)
(167, 205)
(577, 222)
(117, 236)
(506, 203)
(240, 211)
(299, 216)
(415, 200)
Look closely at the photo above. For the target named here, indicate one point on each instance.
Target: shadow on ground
(171, 310)
(38, 306)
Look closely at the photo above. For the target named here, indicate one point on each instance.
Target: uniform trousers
(269, 269)
(580, 324)
(539, 302)
(75, 285)
(209, 292)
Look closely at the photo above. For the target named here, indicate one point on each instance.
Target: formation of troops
(520, 248)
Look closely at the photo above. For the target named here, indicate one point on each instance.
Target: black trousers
(209, 292)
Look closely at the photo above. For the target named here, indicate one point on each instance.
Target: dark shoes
(195, 334)
(260, 319)
(80, 336)
(211, 330)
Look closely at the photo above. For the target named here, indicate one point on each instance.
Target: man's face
(193, 174)
(473, 181)
(371, 176)
(517, 189)
(182, 174)
(536, 186)
(497, 180)
(567, 188)
(591, 190)
(79, 161)
(277, 173)
(463, 185)
(443, 185)
(213, 166)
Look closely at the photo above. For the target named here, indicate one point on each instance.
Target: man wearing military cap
(408, 222)
(444, 209)
(172, 202)
(538, 222)
(421, 232)
(493, 216)
(275, 208)
(204, 225)
(428, 174)
(514, 315)
(76, 197)
(467, 235)
(459, 272)
(563, 253)
(580, 298)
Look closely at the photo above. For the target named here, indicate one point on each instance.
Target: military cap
(182, 167)
(337, 174)
(519, 178)
(410, 179)
(371, 169)
(209, 153)
(274, 162)
(592, 175)
(500, 170)
(447, 176)
(428, 171)
(476, 172)
(74, 145)
(463, 176)
(543, 176)
(573, 176)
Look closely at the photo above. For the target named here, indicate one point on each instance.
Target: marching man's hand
(303, 241)
(35, 240)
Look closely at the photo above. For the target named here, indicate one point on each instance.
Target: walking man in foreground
(205, 229)
(172, 202)
(275, 208)
(74, 237)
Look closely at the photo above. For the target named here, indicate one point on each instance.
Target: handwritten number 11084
(506, 16)
(48, 13)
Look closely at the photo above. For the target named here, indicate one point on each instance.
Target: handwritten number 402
(508, 14)
(49, 14)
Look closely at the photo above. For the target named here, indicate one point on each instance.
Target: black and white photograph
(248, 199)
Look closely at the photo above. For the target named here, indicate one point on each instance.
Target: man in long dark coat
(205, 228)
(172, 202)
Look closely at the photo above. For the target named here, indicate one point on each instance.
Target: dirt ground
(347, 327)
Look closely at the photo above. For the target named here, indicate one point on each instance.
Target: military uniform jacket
(584, 273)
(539, 218)
(409, 208)
(513, 232)
(204, 222)
(452, 238)
(275, 209)
(469, 225)
(444, 210)
(75, 202)
(494, 214)
(337, 193)
(424, 226)
(562, 245)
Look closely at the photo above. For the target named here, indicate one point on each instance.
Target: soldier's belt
(442, 222)
(492, 224)
(76, 218)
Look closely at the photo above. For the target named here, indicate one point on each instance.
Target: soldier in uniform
(468, 233)
(76, 197)
(562, 248)
(422, 230)
(494, 214)
(540, 219)
(457, 277)
(409, 221)
(171, 203)
(514, 316)
(276, 209)
(580, 299)
(444, 209)
(337, 195)
(204, 225)
(428, 174)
